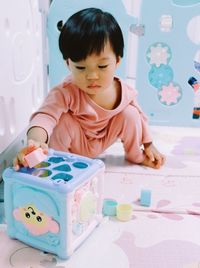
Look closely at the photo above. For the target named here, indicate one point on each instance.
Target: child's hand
(19, 160)
(153, 158)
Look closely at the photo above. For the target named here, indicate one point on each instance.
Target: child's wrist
(146, 145)
(37, 134)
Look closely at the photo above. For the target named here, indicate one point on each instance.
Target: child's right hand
(19, 160)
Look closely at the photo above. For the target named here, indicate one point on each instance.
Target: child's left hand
(155, 157)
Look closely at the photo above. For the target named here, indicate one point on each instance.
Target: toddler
(91, 108)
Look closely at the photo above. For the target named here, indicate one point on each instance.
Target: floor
(165, 234)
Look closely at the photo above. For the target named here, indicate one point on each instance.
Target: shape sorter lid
(61, 171)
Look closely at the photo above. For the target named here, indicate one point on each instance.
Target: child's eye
(103, 66)
(80, 67)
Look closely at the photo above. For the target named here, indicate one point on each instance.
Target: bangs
(86, 45)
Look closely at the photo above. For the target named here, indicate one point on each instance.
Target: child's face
(95, 74)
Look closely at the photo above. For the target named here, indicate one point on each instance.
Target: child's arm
(42, 123)
(36, 138)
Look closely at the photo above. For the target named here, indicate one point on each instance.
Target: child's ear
(118, 60)
(67, 62)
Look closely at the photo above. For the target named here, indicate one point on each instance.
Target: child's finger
(32, 145)
(16, 165)
(160, 159)
(35, 144)
(21, 156)
(44, 147)
(163, 159)
(19, 161)
(150, 155)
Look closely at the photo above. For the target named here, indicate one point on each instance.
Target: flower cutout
(170, 95)
(159, 76)
(158, 53)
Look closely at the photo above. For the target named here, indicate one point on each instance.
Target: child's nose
(92, 75)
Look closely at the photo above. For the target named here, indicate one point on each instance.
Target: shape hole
(64, 167)
(43, 164)
(56, 160)
(80, 165)
(62, 176)
(42, 173)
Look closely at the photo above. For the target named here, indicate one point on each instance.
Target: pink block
(35, 157)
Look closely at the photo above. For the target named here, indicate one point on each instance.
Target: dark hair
(87, 32)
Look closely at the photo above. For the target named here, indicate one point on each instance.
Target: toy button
(58, 181)
(54, 241)
(77, 229)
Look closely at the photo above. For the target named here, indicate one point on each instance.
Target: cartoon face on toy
(36, 221)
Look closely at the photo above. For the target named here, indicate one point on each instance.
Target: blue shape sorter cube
(55, 205)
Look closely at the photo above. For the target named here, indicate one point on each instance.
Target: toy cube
(55, 205)
(35, 157)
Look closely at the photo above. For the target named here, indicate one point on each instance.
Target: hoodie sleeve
(48, 115)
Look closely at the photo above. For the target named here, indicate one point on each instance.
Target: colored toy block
(55, 205)
(124, 212)
(145, 198)
(35, 157)
(109, 207)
